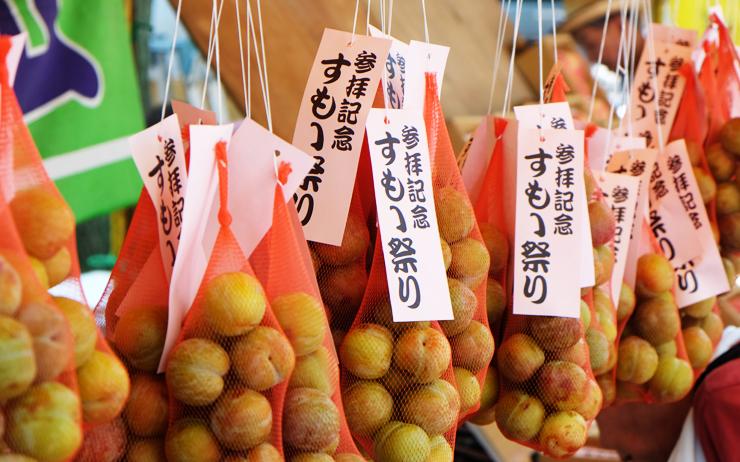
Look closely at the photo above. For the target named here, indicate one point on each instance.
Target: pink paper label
(394, 76)
(675, 35)
(402, 176)
(479, 152)
(191, 115)
(598, 151)
(331, 127)
(160, 158)
(548, 229)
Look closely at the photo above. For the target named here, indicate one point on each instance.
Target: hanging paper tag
(13, 58)
(331, 126)
(402, 177)
(598, 151)
(160, 158)
(703, 276)
(638, 163)
(673, 227)
(478, 154)
(197, 227)
(620, 194)
(394, 76)
(557, 116)
(255, 158)
(548, 229)
(675, 35)
(422, 58)
(653, 107)
(188, 114)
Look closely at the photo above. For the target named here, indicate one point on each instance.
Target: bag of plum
(228, 372)
(314, 426)
(46, 228)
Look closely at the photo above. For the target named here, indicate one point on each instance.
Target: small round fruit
(554, 333)
(44, 423)
(563, 433)
(495, 301)
(698, 346)
(303, 319)
(424, 353)
(667, 348)
(519, 357)
(310, 421)
(464, 304)
(11, 288)
(103, 443)
(608, 387)
(343, 286)
(470, 391)
(189, 440)
(497, 245)
(312, 457)
(562, 384)
(636, 360)
(148, 450)
(695, 151)
(654, 275)
(262, 358)
(657, 320)
(58, 266)
(598, 348)
(44, 221)
(402, 442)
(264, 452)
(147, 407)
(730, 136)
(434, 407)
(473, 348)
(602, 221)
(706, 184)
(577, 354)
(233, 303)
(440, 450)
(585, 314)
(720, 162)
(367, 406)
(454, 215)
(729, 229)
(713, 326)
(17, 363)
(446, 253)
(519, 415)
(701, 309)
(673, 378)
(104, 385)
(139, 336)
(488, 397)
(470, 261)
(317, 370)
(82, 324)
(626, 304)
(367, 350)
(355, 241)
(195, 371)
(728, 198)
(592, 402)
(53, 346)
(604, 264)
(242, 419)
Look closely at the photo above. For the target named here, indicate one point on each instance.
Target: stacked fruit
(41, 410)
(398, 390)
(651, 364)
(722, 158)
(342, 272)
(228, 373)
(702, 329)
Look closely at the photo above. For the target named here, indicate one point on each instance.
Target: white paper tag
(620, 194)
(548, 232)
(402, 177)
(422, 58)
(598, 151)
(638, 163)
(394, 76)
(331, 126)
(254, 155)
(675, 35)
(17, 46)
(160, 158)
(703, 276)
(557, 116)
(198, 229)
(673, 228)
(653, 107)
(188, 114)
(479, 154)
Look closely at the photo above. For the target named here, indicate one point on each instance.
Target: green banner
(77, 86)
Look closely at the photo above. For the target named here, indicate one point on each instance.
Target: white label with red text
(331, 126)
(402, 176)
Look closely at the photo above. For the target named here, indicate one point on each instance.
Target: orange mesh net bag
(228, 372)
(652, 365)
(46, 225)
(314, 425)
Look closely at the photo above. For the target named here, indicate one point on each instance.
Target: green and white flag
(77, 86)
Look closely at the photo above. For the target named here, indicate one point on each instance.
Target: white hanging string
(510, 77)
(390, 16)
(382, 16)
(249, 57)
(648, 14)
(620, 71)
(598, 62)
(426, 24)
(266, 89)
(554, 32)
(501, 32)
(219, 88)
(539, 56)
(259, 63)
(215, 22)
(166, 95)
(354, 21)
(367, 18)
(241, 52)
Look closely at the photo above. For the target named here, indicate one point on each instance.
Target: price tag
(479, 151)
(656, 107)
(160, 158)
(547, 230)
(620, 193)
(557, 116)
(637, 163)
(199, 227)
(704, 276)
(402, 176)
(394, 76)
(422, 58)
(331, 125)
